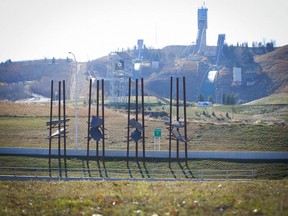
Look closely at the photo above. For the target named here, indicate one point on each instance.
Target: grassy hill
(267, 72)
(23, 125)
(33, 77)
(257, 126)
(281, 98)
(275, 66)
(245, 127)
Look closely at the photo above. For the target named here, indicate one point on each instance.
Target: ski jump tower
(202, 26)
(118, 72)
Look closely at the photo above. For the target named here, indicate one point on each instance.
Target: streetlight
(76, 101)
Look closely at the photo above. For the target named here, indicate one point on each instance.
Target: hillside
(263, 73)
(256, 83)
(19, 80)
(275, 66)
(281, 98)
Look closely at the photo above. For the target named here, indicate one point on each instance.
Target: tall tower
(139, 47)
(202, 26)
(119, 70)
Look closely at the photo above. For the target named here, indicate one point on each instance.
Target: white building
(237, 75)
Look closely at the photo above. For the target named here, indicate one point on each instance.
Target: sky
(37, 29)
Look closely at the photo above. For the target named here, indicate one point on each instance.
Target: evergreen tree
(201, 97)
(223, 98)
(233, 100)
(210, 99)
(270, 47)
(228, 99)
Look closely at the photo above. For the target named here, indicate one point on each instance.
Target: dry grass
(31, 132)
(27, 121)
(274, 64)
(23, 125)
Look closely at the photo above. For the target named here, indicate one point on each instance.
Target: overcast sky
(35, 29)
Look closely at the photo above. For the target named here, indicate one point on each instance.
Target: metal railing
(125, 174)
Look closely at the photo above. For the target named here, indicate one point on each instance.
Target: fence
(123, 174)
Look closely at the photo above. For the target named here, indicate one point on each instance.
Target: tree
(211, 99)
(201, 97)
(228, 99)
(223, 98)
(13, 92)
(233, 100)
(270, 47)
(9, 61)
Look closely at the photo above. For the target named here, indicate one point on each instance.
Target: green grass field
(259, 126)
(256, 127)
(144, 198)
(203, 136)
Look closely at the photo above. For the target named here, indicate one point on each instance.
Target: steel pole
(59, 130)
(128, 126)
(136, 113)
(170, 119)
(89, 118)
(177, 114)
(185, 120)
(97, 114)
(143, 118)
(64, 119)
(76, 101)
(50, 126)
(103, 125)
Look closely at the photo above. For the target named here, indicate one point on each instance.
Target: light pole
(76, 102)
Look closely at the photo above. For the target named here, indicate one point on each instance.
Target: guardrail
(148, 154)
(123, 174)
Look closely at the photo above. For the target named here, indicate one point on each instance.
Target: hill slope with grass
(19, 80)
(275, 66)
(266, 71)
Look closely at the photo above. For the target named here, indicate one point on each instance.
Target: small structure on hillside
(237, 76)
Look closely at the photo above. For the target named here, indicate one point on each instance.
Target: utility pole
(76, 101)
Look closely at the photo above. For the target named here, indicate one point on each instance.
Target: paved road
(150, 154)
